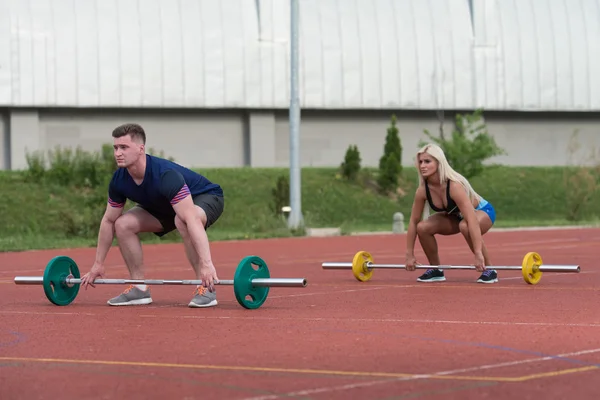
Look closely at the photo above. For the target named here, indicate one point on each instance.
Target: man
(168, 197)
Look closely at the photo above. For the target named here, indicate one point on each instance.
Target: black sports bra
(451, 208)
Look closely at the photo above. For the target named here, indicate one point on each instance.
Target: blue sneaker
(488, 276)
(432, 275)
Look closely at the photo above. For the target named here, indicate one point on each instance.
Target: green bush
(388, 174)
(44, 215)
(86, 172)
(281, 194)
(71, 167)
(39, 211)
(351, 165)
(581, 178)
(392, 145)
(390, 163)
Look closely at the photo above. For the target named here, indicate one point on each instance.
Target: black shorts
(212, 205)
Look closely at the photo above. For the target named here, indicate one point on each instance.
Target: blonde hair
(445, 171)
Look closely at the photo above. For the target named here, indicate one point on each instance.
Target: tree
(469, 145)
(392, 145)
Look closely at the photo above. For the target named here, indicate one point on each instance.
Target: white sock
(141, 287)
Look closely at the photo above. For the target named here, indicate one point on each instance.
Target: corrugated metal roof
(357, 54)
(537, 54)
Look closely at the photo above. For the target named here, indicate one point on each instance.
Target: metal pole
(295, 219)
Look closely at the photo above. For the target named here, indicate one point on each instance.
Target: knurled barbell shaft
(263, 282)
(542, 268)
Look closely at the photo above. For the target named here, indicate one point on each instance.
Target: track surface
(389, 338)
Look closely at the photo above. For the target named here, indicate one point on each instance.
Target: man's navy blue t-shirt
(165, 184)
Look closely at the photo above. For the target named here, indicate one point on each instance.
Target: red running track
(337, 338)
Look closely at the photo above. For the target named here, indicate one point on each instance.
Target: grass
(45, 215)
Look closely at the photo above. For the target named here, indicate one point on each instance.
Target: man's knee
(198, 218)
(125, 225)
(179, 224)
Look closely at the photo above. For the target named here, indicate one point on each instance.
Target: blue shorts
(486, 207)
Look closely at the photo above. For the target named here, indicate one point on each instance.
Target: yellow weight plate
(531, 268)
(359, 266)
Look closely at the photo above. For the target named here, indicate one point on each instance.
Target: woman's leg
(437, 224)
(485, 223)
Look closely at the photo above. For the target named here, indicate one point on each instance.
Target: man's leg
(127, 228)
(209, 209)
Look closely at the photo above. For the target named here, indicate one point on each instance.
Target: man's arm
(107, 229)
(175, 189)
(114, 209)
(187, 212)
(106, 233)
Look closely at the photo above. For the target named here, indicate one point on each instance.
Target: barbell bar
(532, 267)
(62, 280)
(258, 282)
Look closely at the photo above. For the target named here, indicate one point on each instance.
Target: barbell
(532, 267)
(61, 281)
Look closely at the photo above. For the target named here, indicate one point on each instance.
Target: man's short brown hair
(135, 130)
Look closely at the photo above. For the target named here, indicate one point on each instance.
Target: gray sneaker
(131, 296)
(203, 298)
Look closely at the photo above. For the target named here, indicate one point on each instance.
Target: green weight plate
(249, 296)
(57, 270)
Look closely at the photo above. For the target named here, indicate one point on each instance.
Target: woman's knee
(425, 228)
(484, 224)
(464, 228)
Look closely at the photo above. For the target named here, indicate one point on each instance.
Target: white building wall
(209, 79)
(261, 139)
(193, 138)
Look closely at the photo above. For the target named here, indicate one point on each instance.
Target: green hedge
(44, 214)
(58, 206)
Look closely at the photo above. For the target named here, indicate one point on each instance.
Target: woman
(458, 209)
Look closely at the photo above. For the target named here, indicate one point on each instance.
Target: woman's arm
(462, 200)
(415, 217)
